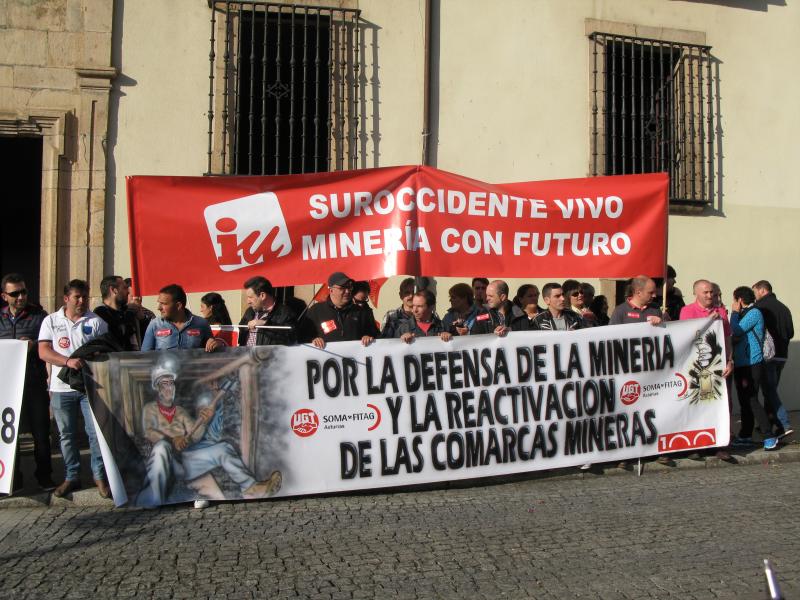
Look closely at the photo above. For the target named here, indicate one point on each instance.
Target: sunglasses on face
(17, 293)
(574, 294)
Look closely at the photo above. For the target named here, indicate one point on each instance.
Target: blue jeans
(165, 466)
(65, 410)
(772, 378)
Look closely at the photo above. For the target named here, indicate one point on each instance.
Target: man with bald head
(705, 305)
(500, 311)
(636, 308)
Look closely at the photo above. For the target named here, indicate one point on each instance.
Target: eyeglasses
(576, 294)
(343, 287)
(17, 293)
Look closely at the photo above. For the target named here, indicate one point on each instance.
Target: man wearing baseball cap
(339, 319)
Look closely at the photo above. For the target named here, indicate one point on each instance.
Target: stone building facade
(498, 91)
(55, 78)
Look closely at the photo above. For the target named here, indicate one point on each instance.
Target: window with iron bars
(284, 86)
(653, 106)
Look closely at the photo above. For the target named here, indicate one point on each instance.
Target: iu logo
(245, 231)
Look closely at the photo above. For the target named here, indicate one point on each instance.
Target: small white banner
(13, 355)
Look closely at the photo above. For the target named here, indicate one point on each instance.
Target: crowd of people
(757, 333)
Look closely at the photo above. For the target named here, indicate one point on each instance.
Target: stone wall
(55, 75)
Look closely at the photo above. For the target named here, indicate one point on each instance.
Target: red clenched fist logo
(630, 392)
(305, 422)
(63, 342)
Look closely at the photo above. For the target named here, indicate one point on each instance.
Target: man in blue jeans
(778, 321)
(21, 319)
(63, 332)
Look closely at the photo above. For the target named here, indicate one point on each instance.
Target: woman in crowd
(213, 310)
(580, 298)
(527, 300)
(361, 292)
(599, 308)
(460, 318)
(747, 325)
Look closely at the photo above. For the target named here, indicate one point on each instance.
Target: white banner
(13, 356)
(395, 414)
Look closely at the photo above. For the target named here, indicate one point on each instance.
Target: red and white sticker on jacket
(482, 317)
(328, 326)
(63, 342)
(193, 332)
(163, 332)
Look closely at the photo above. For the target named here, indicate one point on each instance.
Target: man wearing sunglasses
(21, 320)
(339, 319)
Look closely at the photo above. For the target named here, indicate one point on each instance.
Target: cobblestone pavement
(683, 534)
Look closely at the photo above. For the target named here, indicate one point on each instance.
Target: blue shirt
(163, 335)
(748, 337)
(213, 434)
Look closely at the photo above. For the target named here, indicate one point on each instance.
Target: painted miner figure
(187, 448)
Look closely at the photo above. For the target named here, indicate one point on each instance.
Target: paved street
(683, 534)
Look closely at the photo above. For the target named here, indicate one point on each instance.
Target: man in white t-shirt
(63, 332)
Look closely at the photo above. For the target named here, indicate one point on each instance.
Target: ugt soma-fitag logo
(632, 390)
(305, 421)
(246, 231)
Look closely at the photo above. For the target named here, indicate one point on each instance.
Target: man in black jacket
(21, 320)
(424, 323)
(264, 311)
(499, 311)
(556, 317)
(778, 321)
(393, 318)
(122, 324)
(339, 319)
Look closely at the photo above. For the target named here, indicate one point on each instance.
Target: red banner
(215, 232)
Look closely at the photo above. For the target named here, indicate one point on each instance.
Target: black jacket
(778, 320)
(488, 325)
(95, 349)
(27, 325)
(279, 315)
(122, 324)
(410, 326)
(393, 320)
(673, 306)
(524, 322)
(544, 321)
(349, 323)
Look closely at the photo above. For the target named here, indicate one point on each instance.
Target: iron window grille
(652, 106)
(283, 88)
